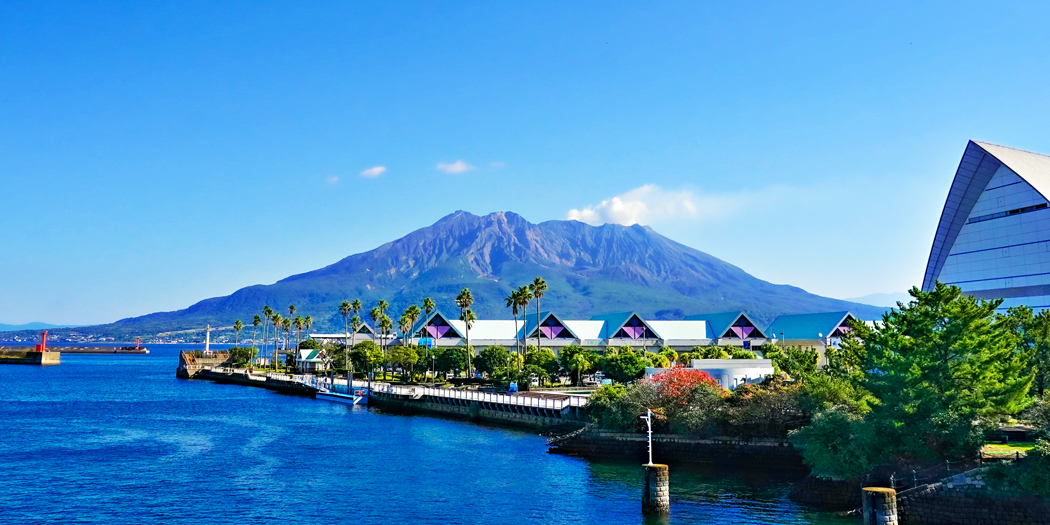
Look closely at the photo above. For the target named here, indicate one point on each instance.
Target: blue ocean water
(118, 439)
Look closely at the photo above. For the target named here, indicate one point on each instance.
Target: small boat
(338, 398)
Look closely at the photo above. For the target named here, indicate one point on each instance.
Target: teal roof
(807, 326)
(529, 326)
(717, 323)
(530, 320)
(615, 321)
(424, 320)
(309, 356)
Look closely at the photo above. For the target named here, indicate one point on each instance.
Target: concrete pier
(29, 358)
(656, 495)
(880, 506)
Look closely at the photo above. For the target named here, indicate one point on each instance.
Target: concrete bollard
(880, 506)
(656, 497)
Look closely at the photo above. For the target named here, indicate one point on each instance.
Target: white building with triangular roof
(993, 238)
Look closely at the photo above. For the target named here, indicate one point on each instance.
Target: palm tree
(405, 325)
(468, 319)
(267, 317)
(291, 310)
(299, 323)
(308, 322)
(428, 307)
(385, 326)
(277, 322)
(344, 310)
(524, 298)
(375, 313)
(256, 321)
(512, 303)
(237, 327)
(538, 286)
(355, 323)
(412, 314)
(286, 325)
(463, 301)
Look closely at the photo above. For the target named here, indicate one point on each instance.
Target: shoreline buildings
(726, 329)
(993, 237)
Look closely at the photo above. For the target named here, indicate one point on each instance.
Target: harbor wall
(474, 411)
(591, 443)
(286, 386)
(22, 357)
(966, 499)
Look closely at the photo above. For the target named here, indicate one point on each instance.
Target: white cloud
(456, 167)
(651, 204)
(332, 180)
(373, 172)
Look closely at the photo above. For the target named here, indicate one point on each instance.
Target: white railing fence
(485, 397)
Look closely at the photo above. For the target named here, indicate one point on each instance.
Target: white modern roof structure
(602, 331)
(993, 238)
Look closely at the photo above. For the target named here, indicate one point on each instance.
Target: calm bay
(118, 439)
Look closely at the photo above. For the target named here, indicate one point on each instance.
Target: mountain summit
(589, 270)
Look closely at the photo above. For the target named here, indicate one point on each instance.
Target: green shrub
(310, 344)
(1035, 475)
(835, 444)
(739, 353)
(710, 352)
(602, 400)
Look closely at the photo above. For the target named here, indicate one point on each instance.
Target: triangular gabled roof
(979, 163)
(721, 322)
(365, 329)
(307, 354)
(808, 326)
(531, 327)
(615, 321)
(428, 321)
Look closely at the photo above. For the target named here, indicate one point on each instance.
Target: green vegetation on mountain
(586, 270)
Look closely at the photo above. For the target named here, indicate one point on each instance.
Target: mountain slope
(30, 326)
(589, 269)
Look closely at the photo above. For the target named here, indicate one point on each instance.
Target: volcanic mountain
(589, 270)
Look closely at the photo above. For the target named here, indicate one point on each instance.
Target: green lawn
(1008, 449)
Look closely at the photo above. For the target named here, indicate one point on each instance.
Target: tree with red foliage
(678, 383)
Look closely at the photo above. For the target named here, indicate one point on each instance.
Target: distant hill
(30, 326)
(589, 270)
(883, 299)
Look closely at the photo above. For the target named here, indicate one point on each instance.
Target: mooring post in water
(656, 496)
(880, 506)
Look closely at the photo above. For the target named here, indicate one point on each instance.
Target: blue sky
(153, 154)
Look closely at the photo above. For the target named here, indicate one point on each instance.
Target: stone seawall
(469, 410)
(670, 448)
(21, 357)
(966, 499)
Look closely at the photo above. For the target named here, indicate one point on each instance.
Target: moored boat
(348, 399)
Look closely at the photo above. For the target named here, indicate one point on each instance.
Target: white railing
(484, 397)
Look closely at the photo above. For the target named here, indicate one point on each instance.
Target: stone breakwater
(592, 443)
(966, 499)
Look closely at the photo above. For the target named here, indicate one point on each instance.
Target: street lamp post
(648, 417)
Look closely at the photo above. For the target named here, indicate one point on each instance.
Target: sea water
(117, 439)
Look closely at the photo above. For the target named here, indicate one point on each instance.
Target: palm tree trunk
(537, 324)
(346, 357)
(518, 347)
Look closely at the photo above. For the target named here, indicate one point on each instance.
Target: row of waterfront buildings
(816, 330)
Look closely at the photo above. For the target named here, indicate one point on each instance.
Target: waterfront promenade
(532, 409)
